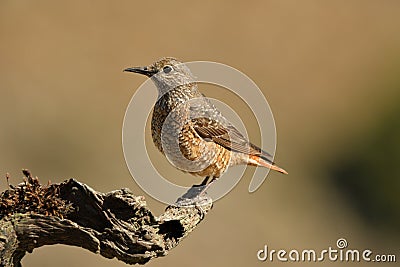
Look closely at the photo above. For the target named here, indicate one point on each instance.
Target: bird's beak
(141, 70)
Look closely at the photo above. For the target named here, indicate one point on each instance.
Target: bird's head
(167, 73)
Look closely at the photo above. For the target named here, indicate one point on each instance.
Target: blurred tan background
(330, 71)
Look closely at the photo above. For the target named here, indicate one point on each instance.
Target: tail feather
(261, 162)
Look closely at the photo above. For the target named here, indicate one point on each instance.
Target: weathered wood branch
(115, 224)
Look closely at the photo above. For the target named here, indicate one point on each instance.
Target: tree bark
(115, 224)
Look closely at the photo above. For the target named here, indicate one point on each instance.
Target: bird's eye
(167, 69)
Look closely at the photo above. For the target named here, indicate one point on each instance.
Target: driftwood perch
(115, 224)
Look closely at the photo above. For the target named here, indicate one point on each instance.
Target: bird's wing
(228, 137)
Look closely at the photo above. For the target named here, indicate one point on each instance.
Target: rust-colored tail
(255, 160)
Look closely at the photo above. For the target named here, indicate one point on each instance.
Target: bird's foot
(199, 202)
(195, 196)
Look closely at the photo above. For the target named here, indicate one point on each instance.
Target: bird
(190, 131)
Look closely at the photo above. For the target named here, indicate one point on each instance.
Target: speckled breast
(174, 135)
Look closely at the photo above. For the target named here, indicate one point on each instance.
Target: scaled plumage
(188, 129)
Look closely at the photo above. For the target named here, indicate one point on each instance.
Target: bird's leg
(204, 181)
(207, 185)
(196, 193)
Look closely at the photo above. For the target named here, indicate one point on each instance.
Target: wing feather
(228, 137)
